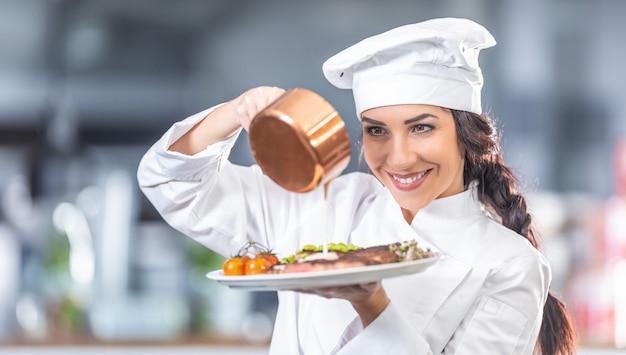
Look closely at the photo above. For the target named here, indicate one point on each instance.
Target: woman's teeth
(405, 180)
(410, 179)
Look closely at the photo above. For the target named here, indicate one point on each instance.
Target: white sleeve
(184, 189)
(160, 165)
(219, 204)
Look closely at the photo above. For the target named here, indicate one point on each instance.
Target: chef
(437, 176)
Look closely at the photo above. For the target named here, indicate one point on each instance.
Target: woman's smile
(408, 182)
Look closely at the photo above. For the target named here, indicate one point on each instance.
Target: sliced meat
(315, 265)
(353, 258)
(374, 255)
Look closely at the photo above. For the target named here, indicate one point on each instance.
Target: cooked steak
(339, 260)
(374, 255)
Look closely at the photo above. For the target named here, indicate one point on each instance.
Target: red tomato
(257, 266)
(235, 266)
(272, 259)
(243, 264)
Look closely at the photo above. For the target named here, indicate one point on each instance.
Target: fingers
(370, 287)
(253, 101)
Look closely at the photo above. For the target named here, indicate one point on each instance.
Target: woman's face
(413, 150)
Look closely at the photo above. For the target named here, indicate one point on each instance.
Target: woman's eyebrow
(406, 122)
(371, 121)
(419, 118)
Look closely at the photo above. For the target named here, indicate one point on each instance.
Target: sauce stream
(325, 243)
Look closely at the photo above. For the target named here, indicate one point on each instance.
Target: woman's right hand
(251, 102)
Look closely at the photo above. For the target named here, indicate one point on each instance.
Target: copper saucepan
(300, 141)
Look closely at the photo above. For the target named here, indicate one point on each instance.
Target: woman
(437, 177)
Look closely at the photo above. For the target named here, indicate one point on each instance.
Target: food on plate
(235, 266)
(253, 258)
(310, 249)
(260, 263)
(350, 256)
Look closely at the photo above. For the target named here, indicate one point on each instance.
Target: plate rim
(271, 282)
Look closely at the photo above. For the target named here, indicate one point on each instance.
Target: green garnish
(302, 253)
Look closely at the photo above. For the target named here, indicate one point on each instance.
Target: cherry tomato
(253, 258)
(235, 266)
(257, 266)
(271, 258)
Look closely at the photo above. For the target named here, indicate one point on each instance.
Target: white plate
(314, 279)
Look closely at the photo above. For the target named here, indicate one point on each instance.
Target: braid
(497, 190)
(496, 186)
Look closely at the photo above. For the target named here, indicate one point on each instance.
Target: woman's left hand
(368, 299)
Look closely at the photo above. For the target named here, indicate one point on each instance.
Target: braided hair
(497, 190)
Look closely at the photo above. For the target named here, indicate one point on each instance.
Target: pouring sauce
(325, 244)
(300, 142)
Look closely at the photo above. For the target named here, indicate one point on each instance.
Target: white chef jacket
(484, 296)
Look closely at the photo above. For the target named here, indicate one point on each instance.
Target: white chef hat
(434, 62)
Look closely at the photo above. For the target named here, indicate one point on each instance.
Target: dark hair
(497, 189)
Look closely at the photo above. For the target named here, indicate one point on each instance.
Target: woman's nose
(400, 155)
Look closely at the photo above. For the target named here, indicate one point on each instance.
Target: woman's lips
(409, 182)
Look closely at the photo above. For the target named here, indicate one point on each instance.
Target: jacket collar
(461, 208)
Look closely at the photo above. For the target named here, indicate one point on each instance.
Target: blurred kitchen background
(86, 86)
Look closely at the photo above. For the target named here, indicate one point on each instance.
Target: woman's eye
(374, 131)
(421, 128)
